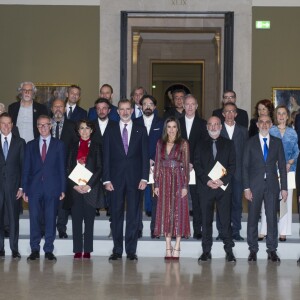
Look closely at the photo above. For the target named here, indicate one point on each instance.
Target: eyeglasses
(229, 111)
(264, 122)
(228, 97)
(43, 125)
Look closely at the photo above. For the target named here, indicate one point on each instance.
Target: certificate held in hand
(80, 175)
(217, 172)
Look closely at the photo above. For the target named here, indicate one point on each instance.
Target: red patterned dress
(171, 175)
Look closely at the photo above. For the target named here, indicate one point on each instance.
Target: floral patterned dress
(171, 175)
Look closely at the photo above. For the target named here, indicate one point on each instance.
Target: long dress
(171, 175)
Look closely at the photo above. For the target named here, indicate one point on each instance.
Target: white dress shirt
(188, 125)
(102, 125)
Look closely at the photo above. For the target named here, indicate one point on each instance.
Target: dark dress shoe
(2, 254)
(148, 213)
(132, 257)
(298, 261)
(34, 255)
(281, 239)
(78, 255)
(115, 256)
(191, 213)
(205, 256)
(261, 238)
(237, 238)
(273, 256)
(50, 256)
(6, 233)
(62, 235)
(219, 238)
(97, 213)
(197, 236)
(86, 255)
(230, 257)
(252, 256)
(16, 255)
(140, 234)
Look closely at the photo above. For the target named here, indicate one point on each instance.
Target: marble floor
(149, 278)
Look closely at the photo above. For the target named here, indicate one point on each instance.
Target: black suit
(241, 118)
(203, 164)
(198, 132)
(38, 109)
(125, 171)
(77, 114)
(10, 182)
(239, 137)
(262, 179)
(83, 206)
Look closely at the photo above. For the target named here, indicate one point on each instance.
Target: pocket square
(156, 129)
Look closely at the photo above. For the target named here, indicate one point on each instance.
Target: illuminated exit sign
(262, 24)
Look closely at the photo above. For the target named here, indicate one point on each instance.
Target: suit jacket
(255, 168)
(97, 135)
(119, 167)
(241, 118)
(38, 109)
(11, 168)
(204, 162)
(94, 164)
(77, 114)
(155, 133)
(113, 114)
(198, 132)
(239, 138)
(48, 176)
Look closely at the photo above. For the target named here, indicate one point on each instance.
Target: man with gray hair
(25, 112)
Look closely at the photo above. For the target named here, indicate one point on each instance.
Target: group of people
(121, 145)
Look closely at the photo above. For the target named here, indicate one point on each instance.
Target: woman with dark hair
(83, 199)
(171, 179)
(263, 107)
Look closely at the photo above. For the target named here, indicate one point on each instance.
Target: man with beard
(215, 149)
(64, 130)
(125, 176)
(154, 126)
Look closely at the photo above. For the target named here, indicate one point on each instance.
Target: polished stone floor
(149, 278)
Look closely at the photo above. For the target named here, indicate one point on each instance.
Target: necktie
(214, 148)
(57, 130)
(70, 112)
(266, 149)
(44, 150)
(5, 147)
(140, 113)
(125, 138)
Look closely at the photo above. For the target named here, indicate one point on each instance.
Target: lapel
(224, 132)
(1, 149)
(118, 138)
(258, 148)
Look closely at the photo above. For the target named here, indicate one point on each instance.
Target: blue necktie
(266, 149)
(5, 147)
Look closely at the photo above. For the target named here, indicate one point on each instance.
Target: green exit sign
(262, 24)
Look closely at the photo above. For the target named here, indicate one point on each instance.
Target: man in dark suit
(11, 166)
(178, 110)
(125, 175)
(242, 116)
(207, 153)
(106, 91)
(73, 111)
(64, 130)
(136, 96)
(263, 155)
(193, 129)
(239, 135)
(44, 184)
(24, 113)
(154, 126)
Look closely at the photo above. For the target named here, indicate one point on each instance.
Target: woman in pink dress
(171, 179)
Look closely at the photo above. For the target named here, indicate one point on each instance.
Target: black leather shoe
(261, 238)
(6, 233)
(62, 235)
(252, 256)
(237, 238)
(16, 255)
(50, 256)
(298, 261)
(205, 256)
(2, 254)
(97, 213)
(281, 239)
(34, 255)
(140, 234)
(148, 213)
(230, 257)
(115, 256)
(197, 236)
(132, 257)
(273, 256)
(219, 238)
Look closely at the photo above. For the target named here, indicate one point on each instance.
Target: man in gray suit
(239, 135)
(262, 156)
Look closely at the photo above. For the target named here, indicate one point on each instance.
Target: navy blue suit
(43, 183)
(77, 114)
(113, 114)
(155, 134)
(125, 173)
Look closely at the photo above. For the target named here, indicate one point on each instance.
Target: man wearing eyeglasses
(44, 183)
(229, 96)
(263, 155)
(25, 112)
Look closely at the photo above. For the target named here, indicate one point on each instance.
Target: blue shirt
(290, 144)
